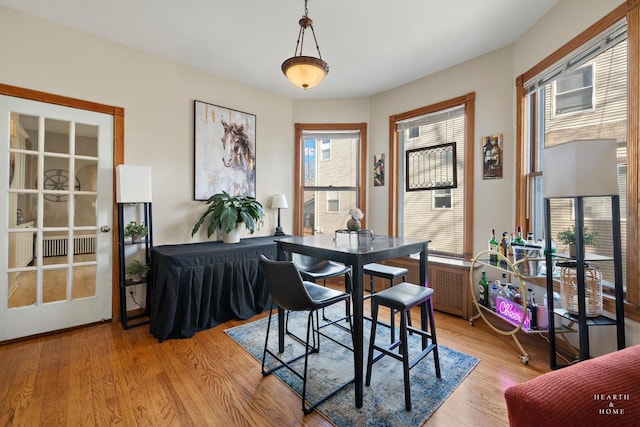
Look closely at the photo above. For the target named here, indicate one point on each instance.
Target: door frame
(118, 158)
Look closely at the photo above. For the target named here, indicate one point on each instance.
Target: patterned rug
(384, 400)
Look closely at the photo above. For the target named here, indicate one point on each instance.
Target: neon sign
(512, 312)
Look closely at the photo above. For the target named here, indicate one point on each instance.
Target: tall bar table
(354, 249)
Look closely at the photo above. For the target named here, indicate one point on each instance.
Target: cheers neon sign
(512, 312)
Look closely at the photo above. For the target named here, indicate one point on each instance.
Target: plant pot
(137, 277)
(572, 250)
(136, 238)
(234, 235)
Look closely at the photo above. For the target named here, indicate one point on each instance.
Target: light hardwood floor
(102, 375)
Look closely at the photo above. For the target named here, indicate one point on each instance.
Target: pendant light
(305, 71)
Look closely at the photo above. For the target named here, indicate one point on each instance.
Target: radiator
(58, 246)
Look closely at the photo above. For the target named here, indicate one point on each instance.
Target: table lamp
(279, 201)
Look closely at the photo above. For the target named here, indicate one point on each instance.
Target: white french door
(56, 215)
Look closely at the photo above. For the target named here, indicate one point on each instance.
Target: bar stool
(403, 297)
(391, 274)
(384, 271)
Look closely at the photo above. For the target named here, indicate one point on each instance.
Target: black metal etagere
(138, 317)
(580, 262)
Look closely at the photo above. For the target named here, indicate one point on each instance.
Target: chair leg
(310, 326)
(432, 332)
(404, 279)
(404, 347)
(266, 339)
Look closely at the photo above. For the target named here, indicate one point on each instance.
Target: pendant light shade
(301, 70)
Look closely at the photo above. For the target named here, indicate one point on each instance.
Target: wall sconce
(279, 201)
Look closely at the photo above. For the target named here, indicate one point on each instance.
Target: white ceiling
(370, 45)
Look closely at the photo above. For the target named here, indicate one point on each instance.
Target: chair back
(306, 262)
(285, 284)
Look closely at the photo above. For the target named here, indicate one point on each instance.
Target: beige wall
(157, 96)
(158, 99)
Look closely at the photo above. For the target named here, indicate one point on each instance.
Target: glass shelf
(591, 321)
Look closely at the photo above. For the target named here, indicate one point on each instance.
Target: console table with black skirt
(200, 285)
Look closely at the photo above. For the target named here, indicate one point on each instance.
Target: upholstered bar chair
(316, 270)
(290, 292)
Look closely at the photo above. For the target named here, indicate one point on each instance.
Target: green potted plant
(137, 270)
(228, 213)
(136, 231)
(568, 237)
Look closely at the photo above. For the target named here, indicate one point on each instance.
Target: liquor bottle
(530, 239)
(510, 247)
(518, 240)
(504, 249)
(493, 247)
(484, 291)
(493, 294)
(516, 297)
(531, 305)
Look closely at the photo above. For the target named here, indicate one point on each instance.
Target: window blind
(612, 36)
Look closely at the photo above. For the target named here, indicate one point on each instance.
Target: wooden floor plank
(80, 407)
(19, 372)
(107, 376)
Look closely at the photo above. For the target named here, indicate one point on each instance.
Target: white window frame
(442, 193)
(591, 88)
(325, 150)
(331, 197)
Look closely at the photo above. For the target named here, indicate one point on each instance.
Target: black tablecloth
(200, 285)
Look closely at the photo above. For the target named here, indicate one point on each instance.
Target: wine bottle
(493, 247)
(518, 240)
(484, 291)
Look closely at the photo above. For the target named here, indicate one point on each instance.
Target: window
(333, 201)
(594, 66)
(574, 90)
(432, 163)
(329, 176)
(325, 149)
(442, 199)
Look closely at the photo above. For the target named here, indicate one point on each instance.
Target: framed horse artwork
(224, 151)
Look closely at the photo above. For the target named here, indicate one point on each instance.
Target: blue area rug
(384, 400)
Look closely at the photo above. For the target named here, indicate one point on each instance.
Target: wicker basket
(592, 287)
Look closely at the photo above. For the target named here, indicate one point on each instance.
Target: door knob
(105, 228)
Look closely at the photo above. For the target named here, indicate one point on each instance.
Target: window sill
(631, 311)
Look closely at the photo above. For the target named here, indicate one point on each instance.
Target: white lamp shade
(133, 184)
(279, 201)
(580, 168)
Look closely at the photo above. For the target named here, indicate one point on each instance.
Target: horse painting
(225, 151)
(236, 148)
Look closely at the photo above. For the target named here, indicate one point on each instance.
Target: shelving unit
(584, 322)
(128, 251)
(505, 265)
